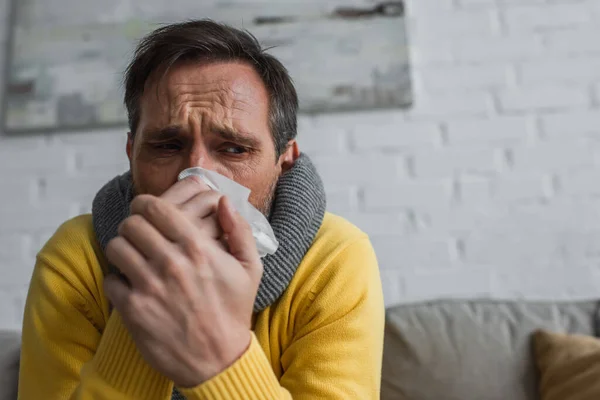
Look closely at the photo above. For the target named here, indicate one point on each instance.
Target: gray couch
(472, 350)
(442, 350)
(9, 364)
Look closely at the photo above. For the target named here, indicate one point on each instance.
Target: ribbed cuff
(121, 366)
(250, 377)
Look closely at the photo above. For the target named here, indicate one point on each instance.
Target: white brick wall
(489, 186)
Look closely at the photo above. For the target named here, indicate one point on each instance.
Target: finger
(146, 239)
(184, 190)
(238, 233)
(210, 226)
(130, 262)
(202, 204)
(166, 218)
(117, 292)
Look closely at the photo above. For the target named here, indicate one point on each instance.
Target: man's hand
(189, 307)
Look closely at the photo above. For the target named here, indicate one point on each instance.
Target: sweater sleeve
(68, 350)
(336, 352)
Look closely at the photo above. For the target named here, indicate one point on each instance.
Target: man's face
(213, 116)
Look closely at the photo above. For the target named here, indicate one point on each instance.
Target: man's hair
(205, 41)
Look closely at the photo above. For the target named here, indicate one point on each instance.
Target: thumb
(238, 233)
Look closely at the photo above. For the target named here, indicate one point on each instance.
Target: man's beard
(267, 204)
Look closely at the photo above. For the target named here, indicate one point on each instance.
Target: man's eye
(234, 150)
(167, 146)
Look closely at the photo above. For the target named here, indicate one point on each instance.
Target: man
(192, 311)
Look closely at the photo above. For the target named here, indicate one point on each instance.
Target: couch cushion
(446, 350)
(9, 364)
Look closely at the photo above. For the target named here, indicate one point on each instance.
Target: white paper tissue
(238, 194)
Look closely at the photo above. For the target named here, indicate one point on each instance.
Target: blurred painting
(67, 57)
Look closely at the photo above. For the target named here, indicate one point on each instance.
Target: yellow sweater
(323, 339)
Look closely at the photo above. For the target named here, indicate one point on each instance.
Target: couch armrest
(10, 343)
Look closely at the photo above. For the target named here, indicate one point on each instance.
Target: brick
(73, 189)
(357, 120)
(18, 191)
(15, 143)
(578, 41)
(101, 154)
(27, 219)
(463, 283)
(447, 163)
(342, 199)
(17, 272)
(33, 161)
(454, 24)
(420, 7)
(493, 131)
(8, 312)
(473, 190)
(462, 77)
(580, 183)
(556, 285)
(387, 136)
(13, 248)
(564, 126)
(580, 70)
(414, 253)
(359, 170)
(452, 105)
(509, 48)
(393, 287)
(533, 18)
(473, 3)
(106, 137)
(581, 246)
(521, 188)
(38, 240)
(377, 224)
(427, 51)
(407, 195)
(316, 141)
(583, 215)
(552, 156)
(543, 98)
(458, 219)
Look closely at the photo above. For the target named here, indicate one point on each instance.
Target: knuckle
(153, 207)
(138, 201)
(134, 306)
(129, 225)
(172, 267)
(112, 249)
(152, 288)
(195, 251)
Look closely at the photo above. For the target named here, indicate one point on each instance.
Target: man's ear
(129, 146)
(289, 156)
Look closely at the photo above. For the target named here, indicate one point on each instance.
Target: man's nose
(200, 157)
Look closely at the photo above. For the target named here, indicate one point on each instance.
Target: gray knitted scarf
(296, 216)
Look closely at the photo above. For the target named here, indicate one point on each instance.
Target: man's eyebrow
(232, 135)
(167, 133)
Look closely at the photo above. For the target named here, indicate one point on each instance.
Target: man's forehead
(229, 92)
(238, 81)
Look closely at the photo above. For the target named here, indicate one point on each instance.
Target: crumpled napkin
(264, 236)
